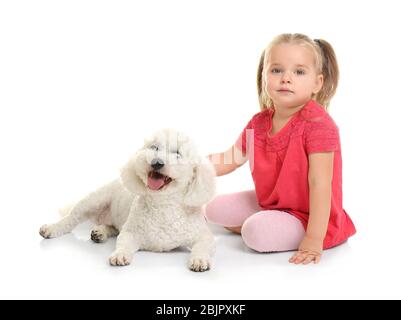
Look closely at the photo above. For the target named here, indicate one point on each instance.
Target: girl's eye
(275, 70)
(300, 72)
(154, 147)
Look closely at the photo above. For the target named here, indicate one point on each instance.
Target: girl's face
(292, 77)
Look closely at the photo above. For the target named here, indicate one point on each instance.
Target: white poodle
(156, 205)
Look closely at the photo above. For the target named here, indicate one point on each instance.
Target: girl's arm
(319, 178)
(227, 161)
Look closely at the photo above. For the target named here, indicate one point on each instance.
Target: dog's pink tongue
(155, 184)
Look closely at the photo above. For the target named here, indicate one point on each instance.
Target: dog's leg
(82, 211)
(201, 253)
(126, 246)
(100, 233)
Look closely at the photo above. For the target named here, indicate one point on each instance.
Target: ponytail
(330, 73)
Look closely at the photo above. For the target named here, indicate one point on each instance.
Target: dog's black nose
(157, 164)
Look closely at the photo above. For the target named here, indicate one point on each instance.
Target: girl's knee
(213, 211)
(272, 231)
(254, 235)
(230, 209)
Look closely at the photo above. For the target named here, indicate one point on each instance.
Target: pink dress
(279, 165)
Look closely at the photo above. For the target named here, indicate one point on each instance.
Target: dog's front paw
(199, 263)
(48, 231)
(120, 258)
(98, 235)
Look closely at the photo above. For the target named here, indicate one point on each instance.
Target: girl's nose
(286, 78)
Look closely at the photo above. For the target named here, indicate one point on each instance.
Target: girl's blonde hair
(325, 63)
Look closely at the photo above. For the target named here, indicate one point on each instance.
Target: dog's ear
(202, 188)
(130, 179)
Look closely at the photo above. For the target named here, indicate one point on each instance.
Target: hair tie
(318, 42)
(322, 49)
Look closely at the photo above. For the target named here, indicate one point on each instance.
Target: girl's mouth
(285, 91)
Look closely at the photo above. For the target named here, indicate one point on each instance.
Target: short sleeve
(321, 136)
(244, 138)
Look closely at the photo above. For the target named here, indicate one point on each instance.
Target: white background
(82, 83)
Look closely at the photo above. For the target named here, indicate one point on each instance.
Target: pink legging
(262, 230)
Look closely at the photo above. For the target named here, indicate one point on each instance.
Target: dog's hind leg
(86, 208)
(100, 233)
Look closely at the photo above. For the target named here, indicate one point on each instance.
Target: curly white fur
(155, 215)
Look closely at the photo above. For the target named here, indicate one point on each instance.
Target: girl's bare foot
(234, 229)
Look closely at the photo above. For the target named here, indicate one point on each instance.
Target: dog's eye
(177, 153)
(154, 147)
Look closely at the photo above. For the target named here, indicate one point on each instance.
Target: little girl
(294, 151)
